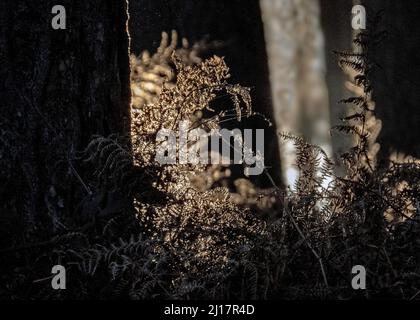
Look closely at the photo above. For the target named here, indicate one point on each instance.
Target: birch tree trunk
(58, 88)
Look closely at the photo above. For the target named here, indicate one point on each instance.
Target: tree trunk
(396, 80)
(295, 46)
(58, 88)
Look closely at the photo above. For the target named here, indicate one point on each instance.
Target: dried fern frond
(150, 72)
(112, 156)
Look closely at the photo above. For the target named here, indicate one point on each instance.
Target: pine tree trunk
(58, 88)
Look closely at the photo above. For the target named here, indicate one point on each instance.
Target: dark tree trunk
(396, 80)
(58, 88)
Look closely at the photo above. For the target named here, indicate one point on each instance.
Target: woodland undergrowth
(180, 232)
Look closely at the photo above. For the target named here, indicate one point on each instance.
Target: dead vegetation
(192, 237)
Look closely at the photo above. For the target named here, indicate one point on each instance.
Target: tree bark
(58, 88)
